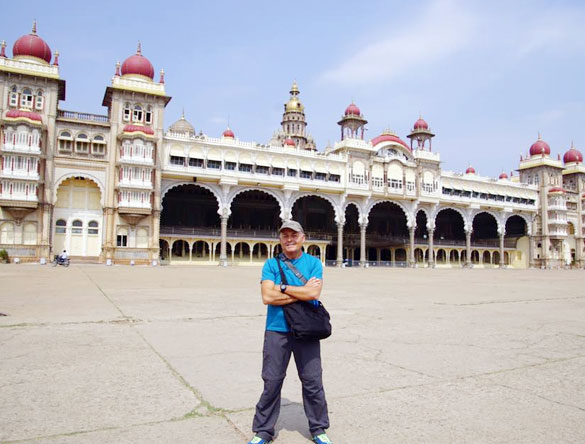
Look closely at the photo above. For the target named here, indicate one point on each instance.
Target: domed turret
(539, 147)
(32, 46)
(470, 170)
(182, 126)
(573, 155)
(352, 110)
(421, 124)
(289, 142)
(228, 133)
(503, 176)
(137, 64)
(389, 136)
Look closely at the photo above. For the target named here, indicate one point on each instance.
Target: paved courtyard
(95, 354)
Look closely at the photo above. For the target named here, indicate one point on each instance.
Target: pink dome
(503, 176)
(389, 137)
(21, 114)
(421, 124)
(352, 110)
(138, 128)
(556, 190)
(289, 142)
(573, 155)
(228, 133)
(470, 170)
(539, 147)
(32, 45)
(138, 64)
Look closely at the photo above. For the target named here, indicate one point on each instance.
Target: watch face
(282, 288)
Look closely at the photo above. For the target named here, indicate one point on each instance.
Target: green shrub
(3, 256)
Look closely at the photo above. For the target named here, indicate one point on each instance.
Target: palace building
(120, 188)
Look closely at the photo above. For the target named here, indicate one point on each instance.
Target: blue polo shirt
(308, 265)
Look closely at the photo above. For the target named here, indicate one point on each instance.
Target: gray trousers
(276, 356)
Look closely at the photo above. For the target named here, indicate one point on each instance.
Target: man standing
(279, 342)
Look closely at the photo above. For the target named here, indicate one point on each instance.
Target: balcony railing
(87, 117)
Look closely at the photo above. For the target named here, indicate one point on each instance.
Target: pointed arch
(336, 210)
(466, 223)
(232, 196)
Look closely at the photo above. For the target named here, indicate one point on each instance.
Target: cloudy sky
(486, 76)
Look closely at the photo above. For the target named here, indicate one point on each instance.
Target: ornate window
(13, 100)
(26, 98)
(29, 234)
(39, 100)
(65, 141)
(82, 144)
(122, 237)
(60, 226)
(137, 114)
(77, 227)
(98, 146)
(92, 228)
(148, 114)
(126, 115)
(7, 233)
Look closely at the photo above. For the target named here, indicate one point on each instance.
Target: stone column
(223, 247)
(339, 245)
(468, 248)
(431, 246)
(502, 262)
(363, 253)
(531, 263)
(412, 261)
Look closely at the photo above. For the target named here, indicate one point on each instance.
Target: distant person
(279, 342)
(63, 256)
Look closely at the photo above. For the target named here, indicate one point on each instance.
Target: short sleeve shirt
(308, 265)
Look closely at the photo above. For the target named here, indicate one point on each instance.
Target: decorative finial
(572, 146)
(183, 114)
(162, 76)
(521, 157)
(56, 62)
(559, 156)
(118, 68)
(34, 28)
(3, 49)
(139, 49)
(539, 138)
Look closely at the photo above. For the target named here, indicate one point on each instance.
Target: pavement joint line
(517, 389)
(202, 401)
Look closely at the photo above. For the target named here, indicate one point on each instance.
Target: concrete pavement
(95, 354)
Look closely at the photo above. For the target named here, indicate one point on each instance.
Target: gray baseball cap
(292, 225)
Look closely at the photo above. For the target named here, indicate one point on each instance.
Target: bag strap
(282, 276)
(292, 268)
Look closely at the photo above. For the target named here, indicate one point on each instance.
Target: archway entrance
(387, 228)
(485, 231)
(78, 218)
(187, 208)
(256, 211)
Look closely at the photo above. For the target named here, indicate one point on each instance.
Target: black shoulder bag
(306, 320)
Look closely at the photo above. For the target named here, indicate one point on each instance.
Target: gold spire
(294, 89)
(139, 49)
(34, 28)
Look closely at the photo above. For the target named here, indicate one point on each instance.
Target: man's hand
(314, 282)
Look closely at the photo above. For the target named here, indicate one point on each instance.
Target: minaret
(293, 122)
(353, 123)
(421, 133)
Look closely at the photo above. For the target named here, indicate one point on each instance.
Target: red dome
(503, 176)
(352, 110)
(20, 114)
(138, 128)
(556, 190)
(539, 147)
(421, 124)
(289, 142)
(470, 170)
(138, 64)
(387, 137)
(32, 45)
(228, 133)
(573, 155)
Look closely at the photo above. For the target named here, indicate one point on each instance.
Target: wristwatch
(283, 288)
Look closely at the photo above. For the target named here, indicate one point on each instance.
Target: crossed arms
(271, 294)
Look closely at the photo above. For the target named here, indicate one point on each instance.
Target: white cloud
(443, 29)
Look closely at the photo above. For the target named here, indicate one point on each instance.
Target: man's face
(291, 241)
